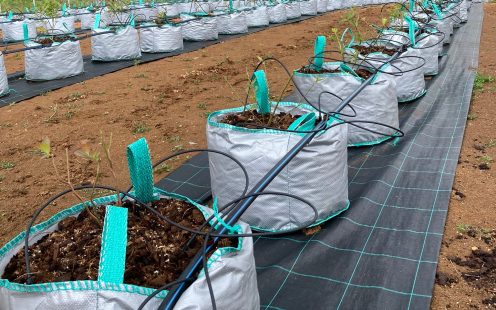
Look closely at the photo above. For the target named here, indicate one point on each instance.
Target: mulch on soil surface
(155, 250)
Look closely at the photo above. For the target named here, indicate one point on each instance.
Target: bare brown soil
(156, 252)
(467, 270)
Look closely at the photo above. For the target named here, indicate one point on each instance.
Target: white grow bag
(231, 23)
(308, 7)
(319, 173)
(333, 5)
(61, 60)
(410, 84)
(122, 45)
(464, 11)
(87, 20)
(322, 6)
(232, 273)
(293, 9)
(203, 29)
(4, 82)
(170, 9)
(376, 102)
(277, 13)
(426, 43)
(14, 31)
(162, 39)
(258, 17)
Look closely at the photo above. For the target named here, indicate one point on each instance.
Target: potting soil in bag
(122, 45)
(322, 6)
(231, 267)
(14, 31)
(258, 17)
(308, 7)
(61, 60)
(277, 13)
(293, 9)
(161, 39)
(318, 173)
(203, 29)
(231, 23)
(4, 82)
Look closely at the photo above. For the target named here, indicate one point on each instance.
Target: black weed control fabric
(22, 89)
(382, 253)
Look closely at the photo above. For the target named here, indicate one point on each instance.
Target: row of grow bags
(232, 269)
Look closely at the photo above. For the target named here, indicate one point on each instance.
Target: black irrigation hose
(162, 288)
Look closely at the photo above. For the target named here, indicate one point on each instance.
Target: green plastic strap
(261, 92)
(412, 5)
(219, 219)
(11, 15)
(64, 9)
(346, 68)
(96, 25)
(318, 52)
(113, 248)
(140, 2)
(436, 9)
(25, 31)
(131, 21)
(304, 123)
(411, 29)
(140, 170)
(352, 37)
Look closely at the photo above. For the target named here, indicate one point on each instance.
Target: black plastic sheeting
(23, 90)
(382, 253)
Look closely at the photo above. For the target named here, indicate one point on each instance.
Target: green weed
(140, 127)
(481, 80)
(5, 165)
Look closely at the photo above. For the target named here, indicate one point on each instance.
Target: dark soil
(52, 39)
(363, 73)
(365, 50)
(154, 255)
(311, 70)
(254, 120)
(445, 279)
(481, 266)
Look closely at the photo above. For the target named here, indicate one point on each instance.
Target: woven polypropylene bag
(322, 6)
(308, 7)
(121, 45)
(376, 102)
(87, 20)
(318, 173)
(14, 31)
(60, 25)
(4, 82)
(258, 17)
(293, 10)
(232, 274)
(204, 29)
(407, 71)
(277, 13)
(232, 23)
(161, 39)
(170, 9)
(61, 60)
(428, 43)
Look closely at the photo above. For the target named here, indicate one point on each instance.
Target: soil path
(467, 266)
